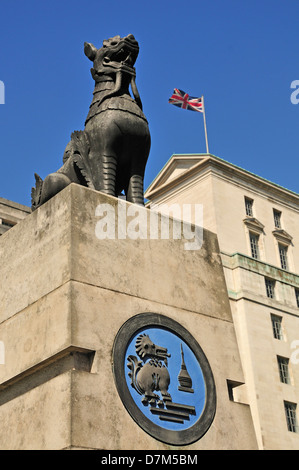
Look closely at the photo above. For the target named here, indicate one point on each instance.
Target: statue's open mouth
(162, 353)
(123, 53)
(121, 57)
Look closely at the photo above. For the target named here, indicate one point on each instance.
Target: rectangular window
(290, 411)
(277, 326)
(283, 367)
(297, 296)
(277, 218)
(254, 245)
(7, 223)
(270, 288)
(249, 206)
(283, 250)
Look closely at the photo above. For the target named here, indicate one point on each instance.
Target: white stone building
(11, 213)
(257, 224)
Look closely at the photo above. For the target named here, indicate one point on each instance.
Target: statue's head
(146, 349)
(116, 54)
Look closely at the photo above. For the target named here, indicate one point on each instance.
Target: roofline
(168, 162)
(229, 164)
(15, 205)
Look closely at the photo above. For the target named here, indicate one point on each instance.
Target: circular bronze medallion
(164, 379)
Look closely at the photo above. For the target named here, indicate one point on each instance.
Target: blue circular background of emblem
(191, 414)
(196, 399)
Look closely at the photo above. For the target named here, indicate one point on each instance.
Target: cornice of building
(209, 162)
(14, 205)
(240, 260)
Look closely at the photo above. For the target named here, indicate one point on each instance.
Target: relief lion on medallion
(149, 374)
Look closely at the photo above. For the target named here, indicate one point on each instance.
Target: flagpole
(205, 124)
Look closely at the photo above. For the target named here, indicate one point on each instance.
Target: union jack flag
(183, 100)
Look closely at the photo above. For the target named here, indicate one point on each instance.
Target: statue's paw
(166, 396)
(144, 401)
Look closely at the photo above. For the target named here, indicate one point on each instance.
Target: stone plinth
(65, 294)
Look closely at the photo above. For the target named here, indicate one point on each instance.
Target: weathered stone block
(64, 296)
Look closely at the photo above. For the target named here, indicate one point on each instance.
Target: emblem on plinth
(164, 379)
(150, 375)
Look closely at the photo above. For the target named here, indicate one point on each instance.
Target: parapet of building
(11, 213)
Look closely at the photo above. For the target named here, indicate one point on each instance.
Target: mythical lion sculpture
(110, 155)
(150, 374)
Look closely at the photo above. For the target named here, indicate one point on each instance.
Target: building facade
(11, 213)
(257, 224)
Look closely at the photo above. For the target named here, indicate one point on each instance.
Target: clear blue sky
(241, 55)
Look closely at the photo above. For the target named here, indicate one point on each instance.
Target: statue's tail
(134, 365)
(79, 151)
(36, 192)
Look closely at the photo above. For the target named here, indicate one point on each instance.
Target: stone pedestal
(66, 291)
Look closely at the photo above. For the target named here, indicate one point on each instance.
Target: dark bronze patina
(110, 155)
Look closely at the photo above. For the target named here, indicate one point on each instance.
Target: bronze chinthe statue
(110, 155)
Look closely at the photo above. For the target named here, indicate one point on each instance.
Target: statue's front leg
(138, 148)
(135, 189)
(105, 139)
(108, 173)
(135, 192)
